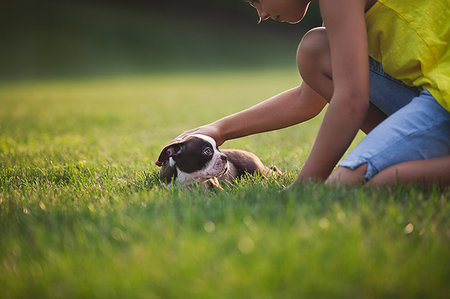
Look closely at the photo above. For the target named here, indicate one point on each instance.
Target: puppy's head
(195, 159)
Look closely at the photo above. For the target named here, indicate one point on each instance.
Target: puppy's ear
(172, 150)
(167, 173)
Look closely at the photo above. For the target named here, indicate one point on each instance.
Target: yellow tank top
(410, 39)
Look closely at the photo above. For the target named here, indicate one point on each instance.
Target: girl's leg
(402, 148)
(424, 173)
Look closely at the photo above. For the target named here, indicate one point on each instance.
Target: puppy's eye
(207, 151)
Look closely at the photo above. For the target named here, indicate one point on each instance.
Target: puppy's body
(197, 159)
(241, 162)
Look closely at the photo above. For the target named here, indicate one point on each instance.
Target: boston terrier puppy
(197, 159)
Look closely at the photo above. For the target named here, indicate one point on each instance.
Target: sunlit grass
(82, 213)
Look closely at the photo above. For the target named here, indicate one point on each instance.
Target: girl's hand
(209, 130)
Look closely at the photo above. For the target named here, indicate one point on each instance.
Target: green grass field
(82, 213)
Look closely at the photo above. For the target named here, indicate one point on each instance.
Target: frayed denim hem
(352, 164)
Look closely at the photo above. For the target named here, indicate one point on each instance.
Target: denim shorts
(417, 127)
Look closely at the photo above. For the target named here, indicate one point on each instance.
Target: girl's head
(289, 11)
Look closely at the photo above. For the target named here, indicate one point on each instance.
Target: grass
(82, 213)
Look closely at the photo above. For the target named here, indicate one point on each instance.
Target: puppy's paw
(213, 184)
(275, 170)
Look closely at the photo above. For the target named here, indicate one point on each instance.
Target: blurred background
(84, 38)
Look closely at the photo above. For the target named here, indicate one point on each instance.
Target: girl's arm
(283, 110)
(346, 31)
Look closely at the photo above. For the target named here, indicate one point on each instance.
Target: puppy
(197, 159)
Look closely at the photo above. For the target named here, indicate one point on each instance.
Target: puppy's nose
(223, 158)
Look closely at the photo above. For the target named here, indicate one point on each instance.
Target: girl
(383, 67)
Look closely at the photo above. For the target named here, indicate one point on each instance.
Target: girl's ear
(171, 150)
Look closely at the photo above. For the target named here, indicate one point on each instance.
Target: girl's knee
(313, 44)
(313, 52)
